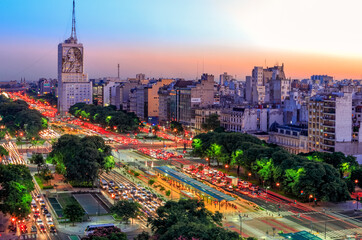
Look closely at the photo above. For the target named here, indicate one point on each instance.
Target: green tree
(357, 175)
(106, 116)
(126, 210)
(238, 159)
(46, 174)
(113, 233)
(214, 152)
(143, 236)
(74, 212)
(264, 167)
(17, 173)
(211, 123)
(38, 159)
(17, 200)
(176, 128)
(81, 159)
(151, 182)
(188, 219)
(3, 152)
(168, 193)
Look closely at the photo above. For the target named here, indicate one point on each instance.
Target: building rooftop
(184, 83)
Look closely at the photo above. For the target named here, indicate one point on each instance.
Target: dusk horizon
(155, 40)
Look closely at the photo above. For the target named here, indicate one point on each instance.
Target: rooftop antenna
(203, 65)
(74, 34)
(118, 70)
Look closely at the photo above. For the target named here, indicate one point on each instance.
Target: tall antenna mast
(118, 71)
(74, 33)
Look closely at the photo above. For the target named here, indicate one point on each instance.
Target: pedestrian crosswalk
(342, 233)
(34, 236)
(29, 236)
(265, 214)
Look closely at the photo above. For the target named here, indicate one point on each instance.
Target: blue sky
(176, 38)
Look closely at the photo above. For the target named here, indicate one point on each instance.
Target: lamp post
(241, 225)
(310, 197)
(325, 225)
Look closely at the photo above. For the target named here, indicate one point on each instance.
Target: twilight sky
(183, 38)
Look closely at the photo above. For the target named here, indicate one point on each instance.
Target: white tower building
(74, 86)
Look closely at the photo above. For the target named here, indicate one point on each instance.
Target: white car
(50, 223)
(49, 219)
(38, 197)
(39, 221)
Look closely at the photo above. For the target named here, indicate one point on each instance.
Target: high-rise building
(267, 85)
(330, 122)
(45, 86)
(73, 84)
(225, 78)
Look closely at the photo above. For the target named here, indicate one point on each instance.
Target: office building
(73, 84)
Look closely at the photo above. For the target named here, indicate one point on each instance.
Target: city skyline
(214, 38)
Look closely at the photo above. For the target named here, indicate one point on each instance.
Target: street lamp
(249, 175)
(241, 225)
(266, 191)
(325, 225)
(310, 197)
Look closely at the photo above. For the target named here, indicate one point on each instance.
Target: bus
(90, 228)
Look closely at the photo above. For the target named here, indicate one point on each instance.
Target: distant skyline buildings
(149, 37)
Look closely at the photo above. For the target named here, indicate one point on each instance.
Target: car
(52, 229)
(42, 228)
(50, 223)
(39, 221)
(116, 196)
(33, 205)
(45, 211)
(49, 219)
(42, 203)
(110, 190)
(38, 197)
(34, 229)
(111, 183)
(23, 228)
